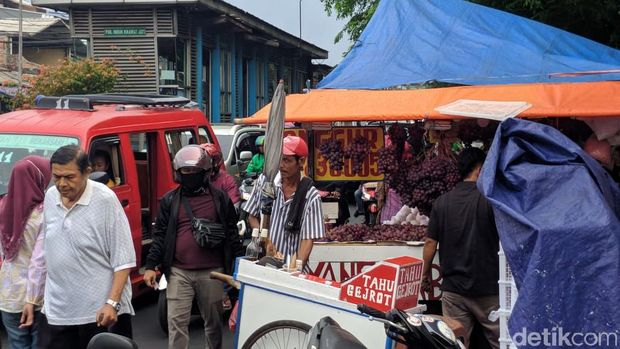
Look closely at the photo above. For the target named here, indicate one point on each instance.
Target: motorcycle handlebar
(364, 309)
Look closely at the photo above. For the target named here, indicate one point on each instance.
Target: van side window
(204, 136)
(105, 158)
(177, 139)
(139, 147)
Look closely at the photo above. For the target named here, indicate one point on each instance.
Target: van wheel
(162, 311)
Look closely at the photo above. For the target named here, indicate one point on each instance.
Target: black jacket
(165, 234)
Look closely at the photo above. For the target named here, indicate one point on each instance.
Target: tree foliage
(72, 76)
(358, 12)
(76, 77)
(597, 20)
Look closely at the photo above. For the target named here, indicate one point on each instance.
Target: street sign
(124, 31)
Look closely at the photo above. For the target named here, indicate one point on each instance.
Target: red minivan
(139, 133)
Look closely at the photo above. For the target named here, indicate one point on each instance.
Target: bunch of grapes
(332, 151)
(488, 133)
(357, 232)
(398, 136)
(357, 151)
(348, 232)
(427, 181)
(469, 131)
(388, 161)
(416, 138)
(399, 232)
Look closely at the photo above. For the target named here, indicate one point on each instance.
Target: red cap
(293, 145)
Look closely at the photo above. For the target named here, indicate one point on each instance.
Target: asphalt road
(146, 329)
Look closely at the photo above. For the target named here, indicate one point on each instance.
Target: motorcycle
(107, 340)
(413, 330)
(245, 189)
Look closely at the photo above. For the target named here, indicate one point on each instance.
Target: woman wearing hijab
(22, 275)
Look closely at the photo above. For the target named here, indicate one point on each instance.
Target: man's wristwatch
(116, 305)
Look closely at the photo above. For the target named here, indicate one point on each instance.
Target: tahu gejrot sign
(392, 283)
(369, 170)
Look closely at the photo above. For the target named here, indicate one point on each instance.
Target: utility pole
(20, 46)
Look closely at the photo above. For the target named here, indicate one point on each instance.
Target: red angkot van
(140, 133)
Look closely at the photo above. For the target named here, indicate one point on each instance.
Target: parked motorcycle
(108, 340)
(413, 330)
(245, 189)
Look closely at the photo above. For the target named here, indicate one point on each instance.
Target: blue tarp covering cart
(558, 215)
(460, 42)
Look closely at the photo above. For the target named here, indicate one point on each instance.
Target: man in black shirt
(463, 225)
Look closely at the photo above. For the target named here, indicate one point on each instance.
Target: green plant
(76, 77)
(72, 76)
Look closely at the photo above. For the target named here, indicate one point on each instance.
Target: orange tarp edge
(592, 99)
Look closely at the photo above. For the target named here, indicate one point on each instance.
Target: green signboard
(124, 31)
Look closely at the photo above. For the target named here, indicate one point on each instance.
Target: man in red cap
(296, 217)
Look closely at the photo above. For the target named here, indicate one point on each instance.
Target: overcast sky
(317, 27)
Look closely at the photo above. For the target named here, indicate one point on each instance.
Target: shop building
(220, 56)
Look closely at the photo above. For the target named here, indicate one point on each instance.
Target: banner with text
(369, 169)
(393, 283)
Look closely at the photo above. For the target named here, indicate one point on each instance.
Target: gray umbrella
(273, 144)
(273, 136)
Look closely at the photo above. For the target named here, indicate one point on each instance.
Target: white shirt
(312, 224)
(84, 246)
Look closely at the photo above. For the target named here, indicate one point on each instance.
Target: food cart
(276, 304)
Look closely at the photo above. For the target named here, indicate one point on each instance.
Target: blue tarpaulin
(456, 41)
(558, 216)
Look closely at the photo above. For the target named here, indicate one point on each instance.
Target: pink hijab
(26, 190)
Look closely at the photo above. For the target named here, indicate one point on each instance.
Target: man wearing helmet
(221, 180)
(187, 253)
(258, 160)
(294, 224)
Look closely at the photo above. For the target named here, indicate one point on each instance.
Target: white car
(238, 145)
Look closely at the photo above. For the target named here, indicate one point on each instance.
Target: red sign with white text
(393, 283)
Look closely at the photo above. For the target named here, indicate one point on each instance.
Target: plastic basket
(506, 343)
(504, 269)
(507, 289)
(507, 298)
(507, 295)
(503, 326)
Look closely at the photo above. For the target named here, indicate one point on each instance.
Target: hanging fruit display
(357, 151)
(333, 152)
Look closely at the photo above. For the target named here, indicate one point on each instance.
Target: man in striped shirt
(287, 181)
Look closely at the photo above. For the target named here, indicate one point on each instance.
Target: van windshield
(14, 147)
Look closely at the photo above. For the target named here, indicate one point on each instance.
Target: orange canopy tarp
(591, 99)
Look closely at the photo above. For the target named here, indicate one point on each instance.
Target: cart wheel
(283, 334)
(162, 311)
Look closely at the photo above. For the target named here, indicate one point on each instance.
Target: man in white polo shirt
(89, 254)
